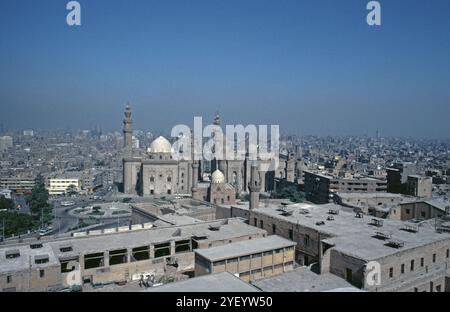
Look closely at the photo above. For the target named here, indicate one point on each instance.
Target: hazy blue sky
(314, 67)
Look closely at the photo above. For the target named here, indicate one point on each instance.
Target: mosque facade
(157, 173)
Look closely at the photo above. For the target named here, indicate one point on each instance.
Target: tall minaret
(254, 186)
(127, 130)
(215, 162)
(194, 189)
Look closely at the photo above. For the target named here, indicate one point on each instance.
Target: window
(169, 179)
(41, 273)
(69, 265)
(278, 266)
(434, 258)
(422, 262)
(245, 258)
(12, 254)
(448, 253)
(35, 246)
(306, 240)
(391, 272)
(274, 229)
(261, 224)
(423, 214)
(182, 246)
(402, 269)
(256, 256)
(268, 253)
(257, 271)
(219, 263)
(408, 211)
(438, 288)
(94, 260)
(152, 179)
(8, 279)
(279, 251)
(162, 250)
(255, 221)
(41, 259)
(66, 249)
(118, 256)
(140, 253)
(412, 265)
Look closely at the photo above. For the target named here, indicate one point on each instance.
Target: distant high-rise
(127, 129)
(6, 142)
(28, 133)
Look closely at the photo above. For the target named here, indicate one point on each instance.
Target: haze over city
(314, 67)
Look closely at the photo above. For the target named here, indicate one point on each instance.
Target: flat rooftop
(228, 229)
(304, 280)
(243, 248)
(356, 236)
(353, 178)
(221, 282)
(372, 195)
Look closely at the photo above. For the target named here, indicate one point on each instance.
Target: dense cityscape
(203, 147)
(66, 188)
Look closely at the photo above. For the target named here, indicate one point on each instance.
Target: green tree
(6, 203)
(71, 190)
(40, 208)
(15, 223)
(288, 190)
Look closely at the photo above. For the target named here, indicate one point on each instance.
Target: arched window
(152, 179)
(169, 179)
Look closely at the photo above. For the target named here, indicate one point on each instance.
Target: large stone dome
(217, 177)
(160, 145)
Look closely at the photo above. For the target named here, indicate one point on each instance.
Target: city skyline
(314, 68)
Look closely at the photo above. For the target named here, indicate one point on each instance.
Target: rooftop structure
(304, 280)
(244, 248)
(220, 282)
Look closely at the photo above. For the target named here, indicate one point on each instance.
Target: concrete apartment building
(17, 184)
(6, 142)
(59, 186)
(422, 209)
(320, 188)
(381, 205)
(121, 256)
(419, 186)
(249, 260)
(397, 176)
(411, 256)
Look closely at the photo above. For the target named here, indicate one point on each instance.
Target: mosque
(157, 173)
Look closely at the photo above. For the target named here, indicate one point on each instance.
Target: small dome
(217, 177)
(161, 145)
